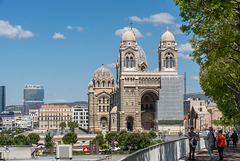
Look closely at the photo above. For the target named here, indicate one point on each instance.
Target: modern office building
(2, 98)
(33, 97)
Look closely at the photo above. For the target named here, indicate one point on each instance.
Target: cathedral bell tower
(128, 53)
(167, 54)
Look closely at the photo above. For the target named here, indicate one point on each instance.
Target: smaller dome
(103, 73)
(167, 36)
(129, 36)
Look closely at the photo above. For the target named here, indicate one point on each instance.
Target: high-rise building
(2, 98)
(33, 97)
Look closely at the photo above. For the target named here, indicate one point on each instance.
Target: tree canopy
(70, 138)
(34, 138)
(49, 142)
(72, 125)
(22, 140)
(215, 29)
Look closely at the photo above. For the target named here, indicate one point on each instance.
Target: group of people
(193, 137)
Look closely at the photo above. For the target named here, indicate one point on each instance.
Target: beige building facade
(132, 103)
(50, 116)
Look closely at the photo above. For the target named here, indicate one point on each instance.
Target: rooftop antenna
(167, 28)
(131, 25)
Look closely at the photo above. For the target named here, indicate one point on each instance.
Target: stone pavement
(229, 154)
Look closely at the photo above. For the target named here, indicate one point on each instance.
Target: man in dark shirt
(191, 135)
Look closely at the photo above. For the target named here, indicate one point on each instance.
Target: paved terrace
(229, 154)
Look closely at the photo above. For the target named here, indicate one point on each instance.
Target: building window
(99, 100)
(103, 83)
(99, 109)
(103, 108)
(166, 62)
(103, 100)
(127, 61)
(107, 108)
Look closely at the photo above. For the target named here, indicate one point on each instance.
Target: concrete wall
(17, 152)
(172, 150)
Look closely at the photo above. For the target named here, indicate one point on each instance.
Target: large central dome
(103, 73)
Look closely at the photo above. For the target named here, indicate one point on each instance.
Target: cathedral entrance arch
(148, 103)
(129, 123)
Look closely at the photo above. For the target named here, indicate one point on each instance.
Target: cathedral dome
(103, 73)
(129, 36)
(142, 55)
(167, 36)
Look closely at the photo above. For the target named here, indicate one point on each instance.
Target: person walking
(228, 139)
(192, 143)
(221, 144)
(211, 143)
(234, 138)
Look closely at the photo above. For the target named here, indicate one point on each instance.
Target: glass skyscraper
(33, 97)
(2, 98)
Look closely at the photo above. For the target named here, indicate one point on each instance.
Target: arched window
(166, 62)
(93, 83)
(99, 109)
(171, 62)
(103, 100)
(107, 108)
(98, 83)
(131, 62)
(127, 61)
(103, 83)
(108, 83)
(99, 100)
(103, 108)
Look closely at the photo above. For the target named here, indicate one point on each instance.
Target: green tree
(34, 138)
(70, 138)
(152, 134)
(21, 140)
(100, 139)
(49, 142)
(62, 125)
(6, 140)
(215, 29)
(72, 125)
(111, 137)
(122, 138)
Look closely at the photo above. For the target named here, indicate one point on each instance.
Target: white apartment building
(80, 115)
(34, 114)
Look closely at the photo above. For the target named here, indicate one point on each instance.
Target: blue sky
(59, 43)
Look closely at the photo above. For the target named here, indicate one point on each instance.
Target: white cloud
(10, 31)
(112, 65)
(79, 28)
(185, 48)
(120, 32)
(69, 27)
(58, 36)
(160, 18)
(194, 77)
(148, 34)
(185, 56)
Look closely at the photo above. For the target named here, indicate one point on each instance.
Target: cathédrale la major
(140, 100)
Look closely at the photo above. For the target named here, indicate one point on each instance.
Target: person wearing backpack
(211, 143)
(192, 143)
(221, 144)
